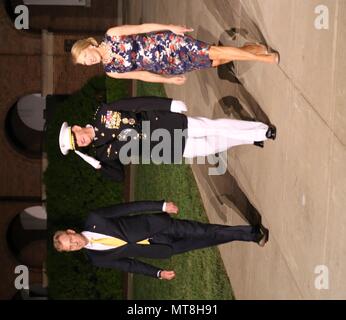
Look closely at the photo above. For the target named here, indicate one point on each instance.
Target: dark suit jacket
(116, 221)
(109, 123)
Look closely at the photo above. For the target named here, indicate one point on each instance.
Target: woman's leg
(249, 47)
(222, 55)
(217, 63)
(255, 48)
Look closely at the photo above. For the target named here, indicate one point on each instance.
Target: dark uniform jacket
(116, 221)
(116, 122)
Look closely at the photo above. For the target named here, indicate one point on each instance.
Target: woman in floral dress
(145, 52)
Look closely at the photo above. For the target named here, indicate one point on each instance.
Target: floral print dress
(162, 53)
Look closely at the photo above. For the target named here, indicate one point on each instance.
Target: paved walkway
(298, 182)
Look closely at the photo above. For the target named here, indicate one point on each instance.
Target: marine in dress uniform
(115, 124)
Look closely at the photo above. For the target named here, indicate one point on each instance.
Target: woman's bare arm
(148, 77)
(146, 28)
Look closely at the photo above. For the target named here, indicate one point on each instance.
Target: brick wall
(97, 18)
(21, 74)
(8, 260)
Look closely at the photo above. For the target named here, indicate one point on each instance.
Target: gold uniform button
(102, 134)
(157, 118)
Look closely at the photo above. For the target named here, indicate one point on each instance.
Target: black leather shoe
(264, 236)
(271, 132)
(259, 144)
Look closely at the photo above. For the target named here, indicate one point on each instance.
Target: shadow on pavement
(225, 189)
(227, 193)
(232, 105)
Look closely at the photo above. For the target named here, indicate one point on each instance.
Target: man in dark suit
(155, 122)
(113, 238)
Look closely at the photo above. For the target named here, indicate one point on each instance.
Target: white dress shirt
(94, 236)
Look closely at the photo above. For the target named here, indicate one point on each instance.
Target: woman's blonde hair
(56, 240)
(79, 46)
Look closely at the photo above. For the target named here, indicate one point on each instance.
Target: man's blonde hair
(79, 46)
(56, 240)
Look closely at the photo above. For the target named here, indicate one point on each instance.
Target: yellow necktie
(115, 242)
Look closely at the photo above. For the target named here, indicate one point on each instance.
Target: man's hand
(167, 275)
(171, 208)
(178, 106)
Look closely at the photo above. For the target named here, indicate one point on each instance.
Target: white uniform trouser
(206, 136)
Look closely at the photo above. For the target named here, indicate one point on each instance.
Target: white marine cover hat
(67, 143)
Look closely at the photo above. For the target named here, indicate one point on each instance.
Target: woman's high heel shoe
(277, 57)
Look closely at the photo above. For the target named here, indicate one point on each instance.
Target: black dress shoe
(259, 144)
(263, 236)
(271, 132)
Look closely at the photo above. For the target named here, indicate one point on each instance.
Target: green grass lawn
(200, 274)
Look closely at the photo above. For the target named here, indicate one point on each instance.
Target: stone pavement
(298, 182)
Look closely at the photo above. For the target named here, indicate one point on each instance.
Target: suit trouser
(209, 136)
(186, 235)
